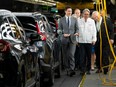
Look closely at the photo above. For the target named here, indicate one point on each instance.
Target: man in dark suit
(68, 26)
(102, 38)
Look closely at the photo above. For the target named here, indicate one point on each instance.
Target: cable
(103, 79)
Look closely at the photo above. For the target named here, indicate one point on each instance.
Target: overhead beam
(80, 5)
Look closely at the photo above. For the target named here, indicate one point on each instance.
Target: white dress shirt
(87, 31)
(98, 23)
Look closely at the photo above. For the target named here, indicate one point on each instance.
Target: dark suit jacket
(103, 32)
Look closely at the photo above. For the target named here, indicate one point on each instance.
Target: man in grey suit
(69, 27)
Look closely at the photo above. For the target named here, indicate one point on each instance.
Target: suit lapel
(64, 21)
(102, 24)
(71, 22)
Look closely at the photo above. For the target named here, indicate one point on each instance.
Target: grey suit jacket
(63, 26)
(64, 29)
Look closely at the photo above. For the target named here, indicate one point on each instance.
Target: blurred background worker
(69, 27)
(77, 14)
(93, 57)
(101, 29)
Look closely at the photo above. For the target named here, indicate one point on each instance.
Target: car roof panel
(4, 12)
(26, 13)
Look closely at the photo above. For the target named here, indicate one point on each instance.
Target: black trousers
(97, 52)
(85, 56)
(77, 57)
(105, 56)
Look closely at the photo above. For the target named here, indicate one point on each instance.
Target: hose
(109, 81)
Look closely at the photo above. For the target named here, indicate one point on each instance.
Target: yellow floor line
(82, 81)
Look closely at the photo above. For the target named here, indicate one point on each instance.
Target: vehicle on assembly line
(48, 48)
(18, 60)
(53, 19)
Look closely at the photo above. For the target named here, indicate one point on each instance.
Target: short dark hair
(67, 7)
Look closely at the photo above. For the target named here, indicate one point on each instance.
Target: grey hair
(86, 9)
(95, 13)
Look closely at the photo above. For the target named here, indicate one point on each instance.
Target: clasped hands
(67, 35)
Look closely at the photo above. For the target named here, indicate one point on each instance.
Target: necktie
(68, 21)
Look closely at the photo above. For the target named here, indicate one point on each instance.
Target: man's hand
(66, 35)
(76, 34)
(111, 41)
(93, 43)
